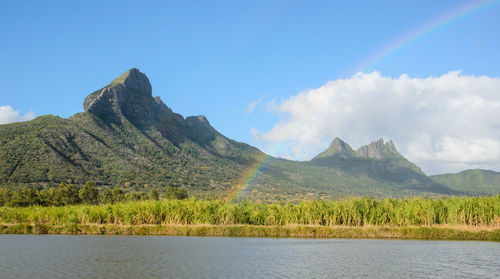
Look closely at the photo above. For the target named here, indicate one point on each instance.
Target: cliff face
(117, 92)
(377, 150)
(127, 96)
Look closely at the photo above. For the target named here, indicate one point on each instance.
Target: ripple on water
(59, 256)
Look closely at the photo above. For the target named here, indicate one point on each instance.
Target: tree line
(70, 194)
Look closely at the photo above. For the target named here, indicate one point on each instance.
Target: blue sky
(217, 57)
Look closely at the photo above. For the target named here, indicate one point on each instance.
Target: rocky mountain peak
(129, 96)
(377, 149)
(339, 146)
(134, 79)
(390, 147)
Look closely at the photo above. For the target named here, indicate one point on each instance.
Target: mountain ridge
(376, 160)
(124, 136)
(127, 137)
(474, 181)
(374, 150)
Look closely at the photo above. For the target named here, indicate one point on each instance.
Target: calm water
(57, 256)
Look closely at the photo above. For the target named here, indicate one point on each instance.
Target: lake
(64, 256)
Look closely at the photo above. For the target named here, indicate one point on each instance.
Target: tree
(106, 196)
(45, 198)
(5, 196)
(25, 197)
(154, 195)
(66, 194)
(174, 193)
(89, 193)
(118, 194)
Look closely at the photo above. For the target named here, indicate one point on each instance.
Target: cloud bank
(444, 124)
(9, 115)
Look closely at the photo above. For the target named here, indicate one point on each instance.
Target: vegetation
(462, 211)
(49, 150)
(475, 182)
(139, 144)
(69, 194)
(421, 232)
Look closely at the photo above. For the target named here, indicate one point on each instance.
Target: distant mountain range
(127, 137)
(475, 182)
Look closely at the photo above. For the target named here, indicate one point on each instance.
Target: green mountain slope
(381, 162)
(129, 138)
(477, 181)
(125, 137)
(283, 179)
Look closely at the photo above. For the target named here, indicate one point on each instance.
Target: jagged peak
(337, 148)
(132, 81)
(135, 79)
(390, 147)
(379, 144)
(127, 96)
(377, 149)
(337, 140)
(339, 145)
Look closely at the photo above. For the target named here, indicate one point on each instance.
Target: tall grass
(475, 211)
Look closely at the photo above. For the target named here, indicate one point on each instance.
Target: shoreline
(446, 232)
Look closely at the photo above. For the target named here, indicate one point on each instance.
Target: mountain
(337, 149)
(379, 161)
(477, 181)
(127, 137)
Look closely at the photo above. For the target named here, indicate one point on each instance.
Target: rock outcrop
(127, 96)
(377, 149)
(377, 159)
(337, 148)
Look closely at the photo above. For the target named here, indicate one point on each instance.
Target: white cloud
(253, 105)
(444, 124)
(9, 115)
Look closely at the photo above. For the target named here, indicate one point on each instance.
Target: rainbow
(249, 176)
(251, 173)
(410, 38)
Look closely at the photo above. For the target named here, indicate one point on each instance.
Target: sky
(284, 76)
